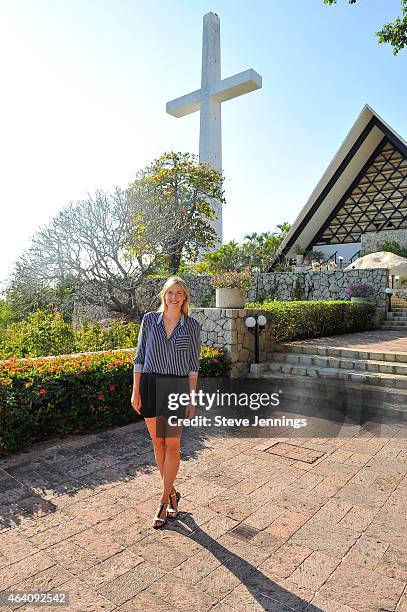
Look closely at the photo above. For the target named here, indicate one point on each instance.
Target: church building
(361, 200)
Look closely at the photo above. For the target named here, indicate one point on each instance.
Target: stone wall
(225, 328)
(318, 285)
(324, 285)
(371, 240)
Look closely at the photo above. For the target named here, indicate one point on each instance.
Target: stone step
(393, 327)
(399, 322)
(354, 399)
(397, 381)
(346, 363)
(339, 393)
(396, 315)
(332, 351)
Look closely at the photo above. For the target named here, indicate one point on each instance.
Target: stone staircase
(341, 378)
(396, 320)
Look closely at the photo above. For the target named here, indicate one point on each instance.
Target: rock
(382, 259)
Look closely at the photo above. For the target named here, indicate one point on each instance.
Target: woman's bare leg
(171, 457)
(158, 443)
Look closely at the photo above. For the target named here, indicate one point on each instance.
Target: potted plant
(360, 292)
(299, 254)
(231, 289)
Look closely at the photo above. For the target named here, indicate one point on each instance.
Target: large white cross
(209, 98)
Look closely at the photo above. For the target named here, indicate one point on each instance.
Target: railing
(330, 258)
(355, 256)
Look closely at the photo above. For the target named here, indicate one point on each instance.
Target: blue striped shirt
(178, 355)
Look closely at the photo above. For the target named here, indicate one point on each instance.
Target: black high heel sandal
(171, 511)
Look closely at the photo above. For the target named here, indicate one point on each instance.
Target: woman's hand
(136, 401)
(189, 411)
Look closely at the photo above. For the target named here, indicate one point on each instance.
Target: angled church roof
(364, 189)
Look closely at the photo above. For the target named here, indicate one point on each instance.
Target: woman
(167, 359)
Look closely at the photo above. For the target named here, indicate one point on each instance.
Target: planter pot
(230, 298)
(359, 300)
(299, 259)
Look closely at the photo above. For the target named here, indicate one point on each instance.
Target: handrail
(355, 256)
(329, 258)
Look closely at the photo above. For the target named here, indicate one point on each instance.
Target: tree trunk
(174, 261)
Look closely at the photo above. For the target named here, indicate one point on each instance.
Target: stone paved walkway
(266, 524)
(381, 341)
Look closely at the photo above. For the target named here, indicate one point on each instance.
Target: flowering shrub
(233, 280)
(48, 397)
(362, 290)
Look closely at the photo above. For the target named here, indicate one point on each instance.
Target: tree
(394, 32)
(172, 203)
(86, 244)
(109, 243)
(257, 251)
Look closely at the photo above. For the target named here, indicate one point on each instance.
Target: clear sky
(84, 85)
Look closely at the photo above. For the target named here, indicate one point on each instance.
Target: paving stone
(181, 595)
(72, 557)
(279, 590)
(16, 572)
(264, 516)
(314, 571)
(252, 553)
(126, 586)
(146, 601)
(111, 568)
(219, 525)
(287, 524)
(327, 605)
(39, 525)
(358, 518)
(333, 540)
(117, 522)
(367, 552)
(362, 588)
(102, 546)
(82, 599)
(286, 559)
(230, 504)
(195, 568)
(56, 534)
(50, 579)
(14, 546)
(393, 563)
(362, 495)
(157, 551)
(219, 582)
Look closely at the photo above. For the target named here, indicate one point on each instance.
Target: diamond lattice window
(378, 201)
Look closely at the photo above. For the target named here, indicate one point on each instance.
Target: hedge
(48, 397)
(297, 320)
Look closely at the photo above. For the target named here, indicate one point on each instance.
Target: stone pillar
(225, 328)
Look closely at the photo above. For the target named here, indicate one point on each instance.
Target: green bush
(47, 397)
(393, 247)
(95, 337)
(42, 333)
(310, 319)
(46, 333)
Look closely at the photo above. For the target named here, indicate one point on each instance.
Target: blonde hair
(174, 280)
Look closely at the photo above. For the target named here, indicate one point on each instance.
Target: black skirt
(159, 395)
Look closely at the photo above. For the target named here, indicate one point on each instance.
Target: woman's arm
(141, 346)
(138, 365)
